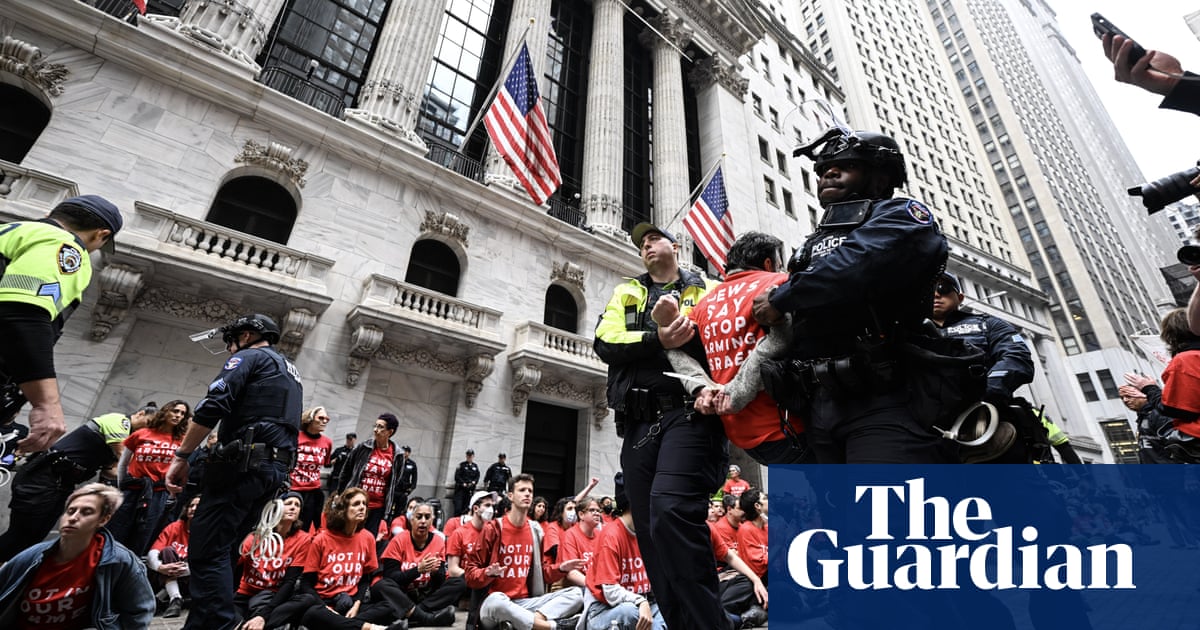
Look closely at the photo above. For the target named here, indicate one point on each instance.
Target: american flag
(517, 125)
(710, 223)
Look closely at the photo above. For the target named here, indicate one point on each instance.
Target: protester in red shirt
(370, 466)
(414, 573)
(580, 541)
(337, 571)
(735, 485)
(85, 577)
(716, 510)
(618, 589)
(143, 471)
(312, 452)
(752, 535)
(509, 564)
(465, 538)
(265, 596)
(726, 527)
(168, 557)
(743, 594)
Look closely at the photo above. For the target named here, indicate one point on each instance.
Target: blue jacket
(1010, 364)
(122, 598)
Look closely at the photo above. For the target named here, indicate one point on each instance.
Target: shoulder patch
(233, 362)
(919, 212)
(218, 385)
(1018, 339)
(69, 259)
(126, 424)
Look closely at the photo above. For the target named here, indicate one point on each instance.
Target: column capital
(714, 70)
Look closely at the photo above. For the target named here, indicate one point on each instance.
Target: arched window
(433, 266)
(257, 206)
(22, 119)
(561, 310)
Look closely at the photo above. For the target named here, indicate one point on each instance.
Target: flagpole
(692, 195)
(504, 70)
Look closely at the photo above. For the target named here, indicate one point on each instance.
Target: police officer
(1010, 365)
(497, 475)
(673, 457)
(407, 481)
(338, 459)
(257, 399)
(41, 486)
(466, 477)
(861, 281)
(45, 268)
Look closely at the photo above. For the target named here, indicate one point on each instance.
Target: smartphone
(1101, 26)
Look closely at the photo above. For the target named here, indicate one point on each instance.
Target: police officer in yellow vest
(45, 268)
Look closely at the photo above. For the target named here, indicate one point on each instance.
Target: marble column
(235, 29)
(603, 140)
(391, 97)
(533, 15)
(670, 133)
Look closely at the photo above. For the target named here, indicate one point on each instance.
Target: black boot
(423, 617)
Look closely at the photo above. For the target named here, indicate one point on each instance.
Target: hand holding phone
(1101, 26)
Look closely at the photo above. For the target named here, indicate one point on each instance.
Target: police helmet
(255, 322)
(839, 145)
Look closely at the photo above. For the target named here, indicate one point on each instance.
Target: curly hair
(336, 507)
(160, 418)
(751, 249)
(545, 516)
(1175, 332)
(560, 507)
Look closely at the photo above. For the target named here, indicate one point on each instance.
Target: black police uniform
(337, 459)
(406, 483)
(257, 398)
(673, 458)
(466, 477)
(863, 280)
(497, 477)
(1009, 360)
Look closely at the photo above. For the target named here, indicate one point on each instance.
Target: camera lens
(1157, 194)
(1189, 255)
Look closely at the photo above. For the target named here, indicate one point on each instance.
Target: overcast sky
(1162, 141)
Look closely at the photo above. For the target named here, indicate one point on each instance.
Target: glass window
(22, 119)
(561, 310)
(1088, 388)
(257, 206)
(434, 266)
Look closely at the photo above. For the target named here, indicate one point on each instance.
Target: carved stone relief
(295, 327)
(447, 225)
(119, 287)
(277, 157)
(27, 61)
(567, 273)
(526, 375)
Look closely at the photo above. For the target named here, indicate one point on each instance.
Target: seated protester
(752, 535)
(743, 594)
(337, 570)
(168, 557)
(726, 527)
(562, 518)
(606, 504)
(579, 542)
(465, 539)
(264, 597)
(41, 486)
(508, 566)
(398, 524)
(618, 588)
(716, 510)
(85, 576)
(148, 454)
(414, 573)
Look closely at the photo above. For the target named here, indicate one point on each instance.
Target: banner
(984, 547)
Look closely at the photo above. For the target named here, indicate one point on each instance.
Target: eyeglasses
(945, 288)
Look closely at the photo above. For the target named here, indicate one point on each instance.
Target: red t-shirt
(729, 332)
(736, 488)
(340, 561)
(311, 454)
(150, 453)
(618, 560)
(402, 550)
(262, 573)
(376, 474)
(516, 558)
(463, 541)
(719, 546)
(59, 597)
(752, 547)
(1181, 388)
(553, 535)
(453, 524)
(727, 533)
(575, 544)
(174, 536)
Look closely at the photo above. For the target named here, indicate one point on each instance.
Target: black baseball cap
(642, 229)
(470, 451)
(105, 210)
(407, 448)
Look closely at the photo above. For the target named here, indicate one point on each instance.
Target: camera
(1160, 192)
(1189, 255)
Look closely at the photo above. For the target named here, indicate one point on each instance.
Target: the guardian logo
(955, 550)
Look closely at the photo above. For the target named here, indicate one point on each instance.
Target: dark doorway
(22, 119)
(550, 444)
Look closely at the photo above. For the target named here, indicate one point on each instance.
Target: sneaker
(754, 617)
(444, 617)
(174, 609)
